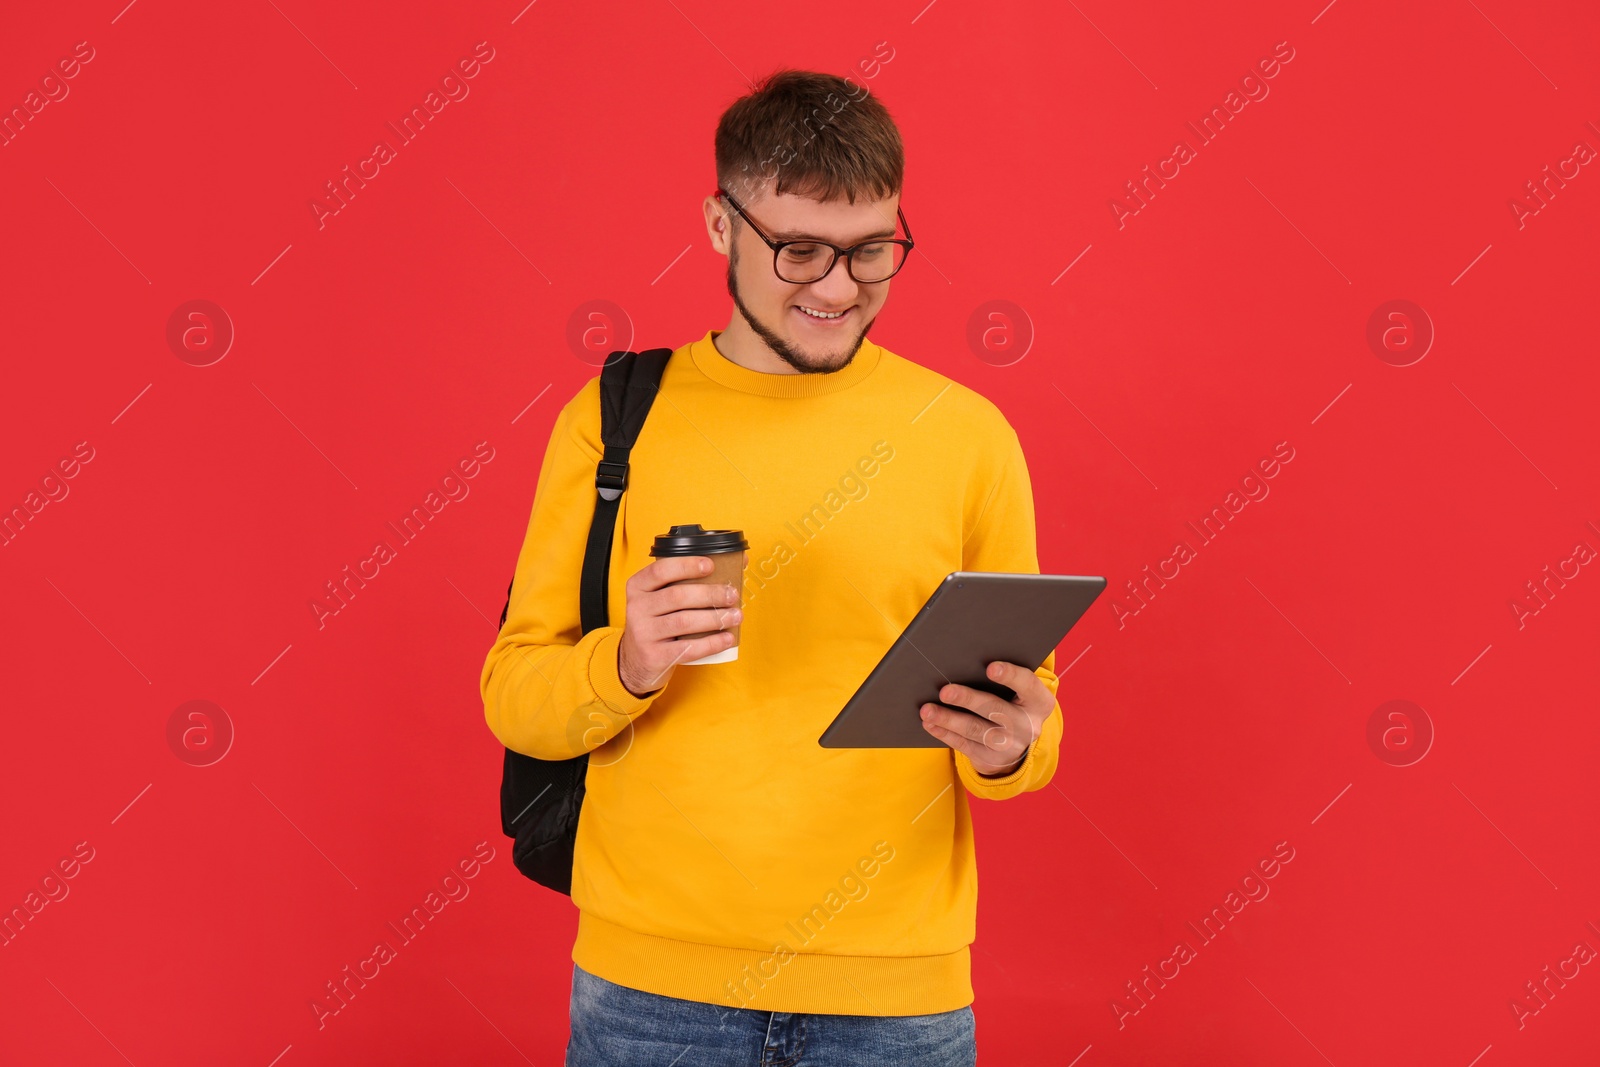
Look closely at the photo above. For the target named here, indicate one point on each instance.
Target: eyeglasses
(802, 262)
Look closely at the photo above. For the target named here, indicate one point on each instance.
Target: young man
(744, 892)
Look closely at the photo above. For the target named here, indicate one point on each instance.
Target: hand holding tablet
(948, 655)
(996, 733)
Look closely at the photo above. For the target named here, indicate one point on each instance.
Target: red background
(373, 352)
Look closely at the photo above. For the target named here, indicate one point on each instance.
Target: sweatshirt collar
(719, 368)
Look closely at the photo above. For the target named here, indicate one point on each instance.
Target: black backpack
(540, 799)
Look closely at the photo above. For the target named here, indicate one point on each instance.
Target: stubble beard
(782, 349)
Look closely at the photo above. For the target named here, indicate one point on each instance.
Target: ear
(716, 224)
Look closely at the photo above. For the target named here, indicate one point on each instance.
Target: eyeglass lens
(802, 263)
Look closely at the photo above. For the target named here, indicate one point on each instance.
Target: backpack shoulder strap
(628, 385)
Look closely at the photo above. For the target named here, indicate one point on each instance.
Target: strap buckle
(611, 478)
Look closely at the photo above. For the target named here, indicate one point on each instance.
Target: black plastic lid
(691, 540)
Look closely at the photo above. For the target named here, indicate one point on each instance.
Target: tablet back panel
(972, 619)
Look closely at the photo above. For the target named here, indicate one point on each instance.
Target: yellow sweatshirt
(723, 855)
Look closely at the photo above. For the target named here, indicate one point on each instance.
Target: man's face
(772, 306)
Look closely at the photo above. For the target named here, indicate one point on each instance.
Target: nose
(836, 287)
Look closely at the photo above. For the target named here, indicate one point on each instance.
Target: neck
(742, 345)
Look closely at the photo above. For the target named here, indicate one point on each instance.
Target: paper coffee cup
(725, 549)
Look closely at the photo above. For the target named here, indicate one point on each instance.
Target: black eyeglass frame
(849, 263)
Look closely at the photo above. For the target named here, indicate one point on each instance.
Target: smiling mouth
(815, 315)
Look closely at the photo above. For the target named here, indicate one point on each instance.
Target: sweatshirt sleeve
(1004, 539)
(549, 690)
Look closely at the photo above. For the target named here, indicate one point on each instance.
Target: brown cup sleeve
(727, 569)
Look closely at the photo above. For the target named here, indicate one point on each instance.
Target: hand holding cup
(675, 615)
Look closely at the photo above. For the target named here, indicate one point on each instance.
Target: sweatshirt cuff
(995, 788)
(606, 681)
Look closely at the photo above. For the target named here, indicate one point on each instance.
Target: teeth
(820, 315)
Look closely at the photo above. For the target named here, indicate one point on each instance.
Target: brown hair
(819, 135)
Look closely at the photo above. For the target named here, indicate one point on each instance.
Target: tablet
(972, 619)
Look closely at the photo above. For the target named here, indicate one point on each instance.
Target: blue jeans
(615, 1026)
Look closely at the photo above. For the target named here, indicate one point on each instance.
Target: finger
(678, 623)
(993, 735)
(692, 650)
(664, 572)
(696, 647)
(975, 700)
(688, 650)
(1000, 670)
(693, 595)
(961, 744)
(1029, 687)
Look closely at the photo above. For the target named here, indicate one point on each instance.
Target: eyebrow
(795, 235)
